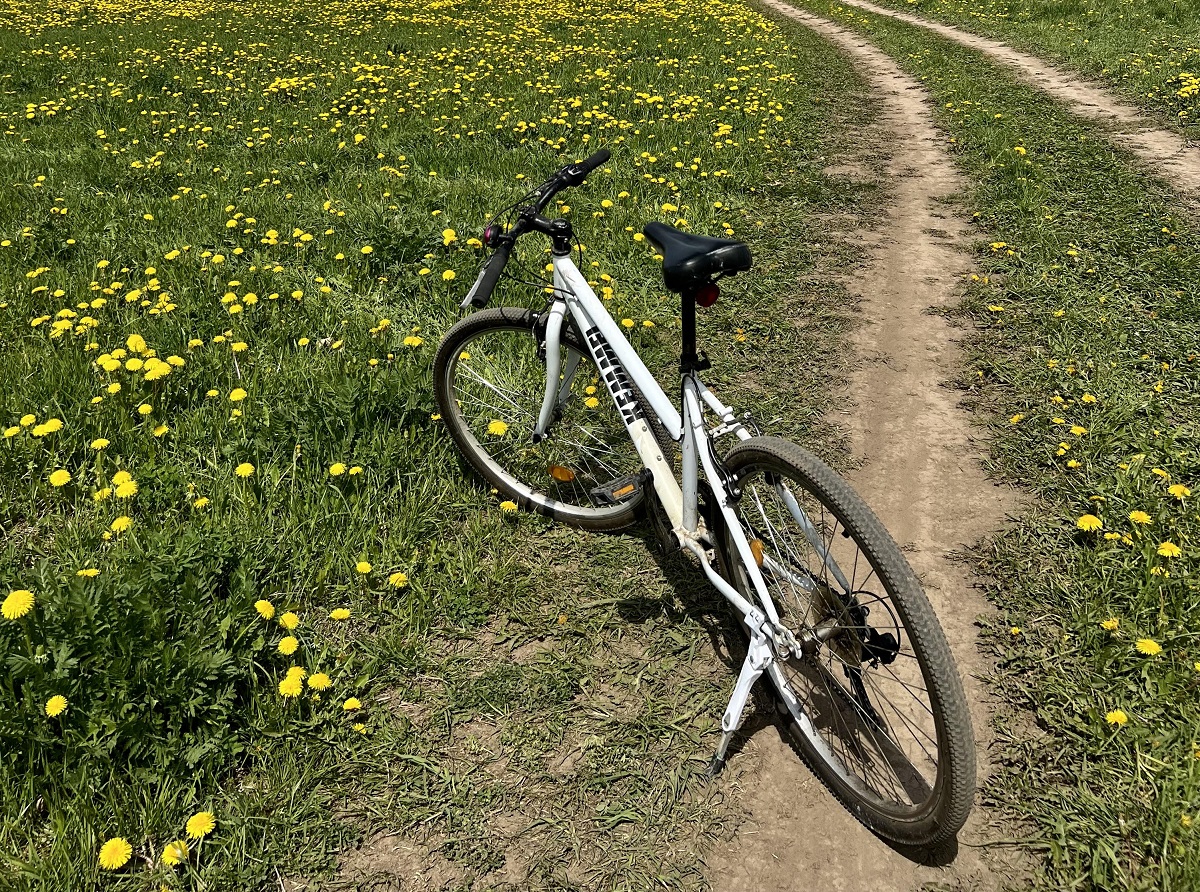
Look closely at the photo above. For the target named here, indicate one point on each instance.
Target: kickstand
(758, 658)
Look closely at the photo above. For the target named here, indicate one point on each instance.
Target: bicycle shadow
(697, 601)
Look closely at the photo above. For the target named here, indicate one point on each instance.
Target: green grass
(1082, 363)
(1148, 49)
(163, 163)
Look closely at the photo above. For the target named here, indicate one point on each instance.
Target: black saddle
(690, 261)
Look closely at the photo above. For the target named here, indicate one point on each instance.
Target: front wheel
(873, 701)
(489, 378)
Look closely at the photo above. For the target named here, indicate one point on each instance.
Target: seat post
(688, 358)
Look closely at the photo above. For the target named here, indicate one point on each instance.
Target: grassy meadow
(1148, 49)
(252, 601)
(1083, 353)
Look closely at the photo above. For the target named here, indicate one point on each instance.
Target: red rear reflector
(707, 296)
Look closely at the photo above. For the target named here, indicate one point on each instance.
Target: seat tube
(554, 324)
(691, 458)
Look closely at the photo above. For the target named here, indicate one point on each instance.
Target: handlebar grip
(576, 174)
(485, 283)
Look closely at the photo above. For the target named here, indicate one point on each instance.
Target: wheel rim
(864, 699)
(497, 381)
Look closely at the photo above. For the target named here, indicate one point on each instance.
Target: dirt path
(920, 474)
(1168, 154)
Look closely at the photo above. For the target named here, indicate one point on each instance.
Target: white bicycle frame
(770, 641)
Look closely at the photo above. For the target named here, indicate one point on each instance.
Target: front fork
(555, 392)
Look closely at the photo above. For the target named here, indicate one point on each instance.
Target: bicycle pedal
(621, 490)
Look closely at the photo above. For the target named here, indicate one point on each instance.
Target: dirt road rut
(920, 474)
(1167, 153)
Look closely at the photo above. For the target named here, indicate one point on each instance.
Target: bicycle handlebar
(489, 275)
(493, 268)
(571, 175)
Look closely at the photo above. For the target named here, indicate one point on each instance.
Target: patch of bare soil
(397, 863)
(1168, 154)
(920, 472)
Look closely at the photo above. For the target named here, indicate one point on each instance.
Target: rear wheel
(876, 709)
(489, 380)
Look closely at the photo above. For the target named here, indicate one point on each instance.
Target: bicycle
(558, 412)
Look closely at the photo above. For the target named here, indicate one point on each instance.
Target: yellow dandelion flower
(1179, 491)
(265, 608)
(121, 524)
(1170, 549)
(237, 395)
(1088, 523)
(175, 853)
(339, 613)
(448, 275)
(201, 824)
(245, 469)
(289, 620)
(99, 443)
(351, 704)
(1116, 717)
(291, 686)
(319, 681)
(115, 853)
(1110, 625)
(1139, 517)
(337, 469)
(398, 579)
(126, 490)
(88, 572)
(363, 567)
(56, 706)
(60, 478)
(366, 249)
(497, 428)
(288, 645)
(18, 603)
(1148, 646)
(508, 506)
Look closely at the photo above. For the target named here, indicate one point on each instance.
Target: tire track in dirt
(920, 474)
(1168, 154)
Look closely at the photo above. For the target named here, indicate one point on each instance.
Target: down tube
(586, 307)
